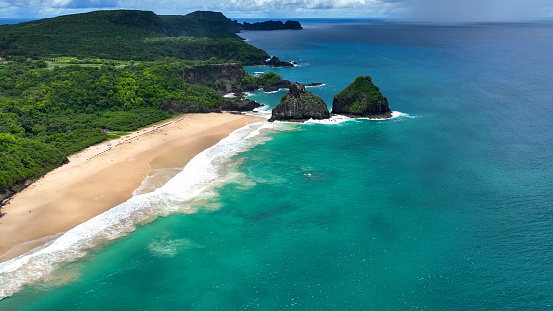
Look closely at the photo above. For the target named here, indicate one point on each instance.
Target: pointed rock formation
(299, 105)
(361, 99)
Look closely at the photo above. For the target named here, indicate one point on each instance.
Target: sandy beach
(99, 178)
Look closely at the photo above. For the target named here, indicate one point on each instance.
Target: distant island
(215, 24)
(72, 81)
(273, 25)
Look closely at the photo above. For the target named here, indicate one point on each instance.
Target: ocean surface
(446, 206)
(10, 21)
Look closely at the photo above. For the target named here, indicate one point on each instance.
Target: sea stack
(299, 105)
(361, 99)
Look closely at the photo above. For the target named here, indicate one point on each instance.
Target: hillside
(203, 24)
(128, 35)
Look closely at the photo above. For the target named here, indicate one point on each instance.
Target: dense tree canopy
(126, 35)
(59, 111)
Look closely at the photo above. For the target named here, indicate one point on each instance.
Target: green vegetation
(308, 99)
(203, 24)
(124, 35)
(362, 86)
(22, 160)
(300, 104)
(56, 112)
(73, 81)
(360, 98)
(262, 80)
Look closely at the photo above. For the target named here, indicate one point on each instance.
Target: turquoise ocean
(446, 206)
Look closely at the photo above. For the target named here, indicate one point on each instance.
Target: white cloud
(317, 8)
(421, 10)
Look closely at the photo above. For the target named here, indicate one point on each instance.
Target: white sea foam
(337, 119)
(273, 92)
(264, 111)
(208, 169)
(155, 179)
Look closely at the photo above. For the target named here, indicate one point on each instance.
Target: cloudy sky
(413, 10)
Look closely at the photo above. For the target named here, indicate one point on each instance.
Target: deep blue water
(448, 206)
(8, 21)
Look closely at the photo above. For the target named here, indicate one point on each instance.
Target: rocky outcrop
(273, 87)
(219, 77)
(237, 104)
(282, 84)
(361, 99)
(275, 62)
(300, 105)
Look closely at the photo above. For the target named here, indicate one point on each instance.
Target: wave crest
(196, 181)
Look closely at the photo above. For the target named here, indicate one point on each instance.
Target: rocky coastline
(299, 105)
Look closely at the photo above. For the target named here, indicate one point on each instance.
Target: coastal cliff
(299, 105)
(361, 99)
(219, 77)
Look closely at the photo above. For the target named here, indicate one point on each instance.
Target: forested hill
(216, 25)
(203, 24)
(129, 35)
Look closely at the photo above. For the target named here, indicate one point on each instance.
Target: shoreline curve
(100, 178)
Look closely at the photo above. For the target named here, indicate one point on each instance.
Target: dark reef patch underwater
(446, 206)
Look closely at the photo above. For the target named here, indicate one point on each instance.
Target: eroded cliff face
(300, 105)
(361, 99)
(219, 77)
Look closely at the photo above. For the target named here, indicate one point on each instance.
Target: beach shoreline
(101, 177)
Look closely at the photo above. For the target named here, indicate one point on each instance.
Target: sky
(407, 10)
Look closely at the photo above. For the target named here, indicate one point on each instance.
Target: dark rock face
(300, 105)
(275, 62)
(219, 77)
(283, 84)
(362, 99)
(241, 105)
